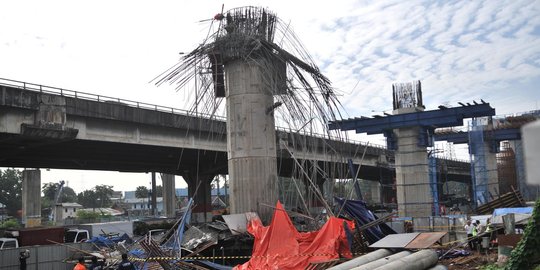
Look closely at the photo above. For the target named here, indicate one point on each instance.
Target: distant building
(142, 206)
(66, 210)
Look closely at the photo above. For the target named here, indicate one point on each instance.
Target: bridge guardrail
(100, 98)
(142, 105)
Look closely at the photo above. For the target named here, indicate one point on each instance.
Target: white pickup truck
(76, 236)
(8, 243)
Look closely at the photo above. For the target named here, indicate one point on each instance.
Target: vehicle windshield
(70, 236)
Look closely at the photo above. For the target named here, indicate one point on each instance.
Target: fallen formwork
(510, 199)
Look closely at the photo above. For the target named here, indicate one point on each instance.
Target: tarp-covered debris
(102, 241)
(358, 211)
(281, 246)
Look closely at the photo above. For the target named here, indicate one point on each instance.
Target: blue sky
(460, 50)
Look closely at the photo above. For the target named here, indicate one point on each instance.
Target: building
(66, 210)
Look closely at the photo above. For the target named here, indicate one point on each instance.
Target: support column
(491, 170)
(31, 198)
(414, 195)
(169, 195)
(154, 195)
(251, 143)
(199, 188)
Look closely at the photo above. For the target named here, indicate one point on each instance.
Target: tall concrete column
(31, 198)
(413, 190)
(199, 188)
(251, 144)
(491, 170)
(169, 195)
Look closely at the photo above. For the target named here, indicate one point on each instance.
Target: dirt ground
(473, 261)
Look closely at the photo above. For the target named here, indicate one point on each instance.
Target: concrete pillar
(364, 259)
(251, 143)
(202, 196)
(491, 171)
(169, 195)
(422, 259)
(382, 261)
(31, 198)
(414, 196)
(154, 195)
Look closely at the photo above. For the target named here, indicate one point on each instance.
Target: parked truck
(37, 236)
(106, 229)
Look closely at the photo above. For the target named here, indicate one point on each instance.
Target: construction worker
(23, 255)
(488, 225)
(95, 265)
(475, 234)
(469, 228)
(125, 264)
(80, 265)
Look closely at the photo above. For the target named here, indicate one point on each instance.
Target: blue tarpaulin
(514, 210)
(109, 241)
(362, 216)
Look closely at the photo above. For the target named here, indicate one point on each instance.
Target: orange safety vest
(79, 266)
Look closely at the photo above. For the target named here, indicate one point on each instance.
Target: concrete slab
(395, 240)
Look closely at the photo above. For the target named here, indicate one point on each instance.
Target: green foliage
(9, 224)
(99, 196)
(91, 215)
(104, 194)
(490, 267)
(82, 214)
(141, 192)
(144, 192)
(527, 252)
(50, 189)
(159, 191)
(88, 199)
(11, 190)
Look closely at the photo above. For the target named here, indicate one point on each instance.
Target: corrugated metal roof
(425, 240)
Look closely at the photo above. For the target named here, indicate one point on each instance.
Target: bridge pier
(31, 198)
(199, 188)
(414, 195)
(169, 195)
(251, 138)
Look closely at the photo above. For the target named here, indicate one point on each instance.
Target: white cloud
(460, 49)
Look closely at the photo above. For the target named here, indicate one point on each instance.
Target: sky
(460, 50)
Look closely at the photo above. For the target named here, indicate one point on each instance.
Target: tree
(159, 191)
(11, 190)
(141, 192)
(104, 194)
(50, 189)
(88, 199)
(98, 196)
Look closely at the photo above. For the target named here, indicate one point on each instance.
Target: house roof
(69, 204)
(142, 200)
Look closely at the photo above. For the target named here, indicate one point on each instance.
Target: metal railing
(101, 98)
(142, 105)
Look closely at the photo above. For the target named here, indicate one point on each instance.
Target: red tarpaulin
(281, 246)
